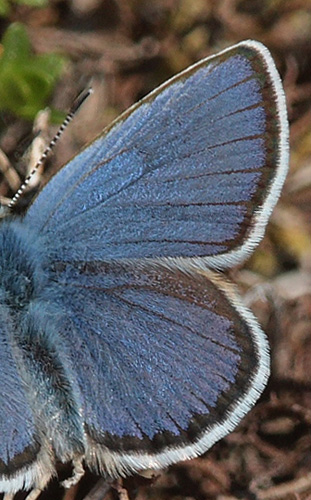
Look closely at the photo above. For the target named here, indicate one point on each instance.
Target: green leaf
(51, 65)
(4, 8)
(26, 80)
(33, 3)
(5, 5)
(16, 45)
(57, 116)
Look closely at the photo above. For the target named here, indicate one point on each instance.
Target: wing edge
(35, 475)
(262, 214)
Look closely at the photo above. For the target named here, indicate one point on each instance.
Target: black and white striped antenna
(76, 105)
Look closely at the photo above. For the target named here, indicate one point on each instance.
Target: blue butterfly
(123, 346)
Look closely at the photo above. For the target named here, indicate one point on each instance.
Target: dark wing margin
(190, 173)
(167, 363)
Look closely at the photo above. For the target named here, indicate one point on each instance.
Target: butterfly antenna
(76, 105)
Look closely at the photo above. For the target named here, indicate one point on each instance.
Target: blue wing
(21, 454)
(165, 363)
(192, 170)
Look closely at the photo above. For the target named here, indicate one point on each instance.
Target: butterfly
(124, 346)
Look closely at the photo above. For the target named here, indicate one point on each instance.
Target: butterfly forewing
(187, 172)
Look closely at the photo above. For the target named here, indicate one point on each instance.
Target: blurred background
(50, 50)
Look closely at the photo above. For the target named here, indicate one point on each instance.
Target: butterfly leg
(122, 492)
(8, 496)
(77, 473)
(33, 494)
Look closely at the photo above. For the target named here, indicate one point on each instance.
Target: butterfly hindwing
(159, 355)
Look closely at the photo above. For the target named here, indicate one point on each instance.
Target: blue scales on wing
(19, 440)
(179, 174)
(159, 355)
